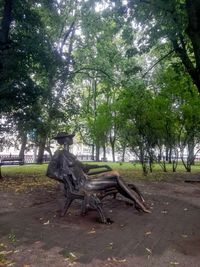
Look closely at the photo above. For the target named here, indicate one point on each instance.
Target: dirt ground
(32, 234)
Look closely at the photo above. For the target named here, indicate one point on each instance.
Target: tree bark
(104, 152)
(113, 151)
(92, 152)
(167, 153)
(23, 145)
(123, 153)
(193, 30)
(170, 155)
(112, 143)
(191, 155)
(41, 150)
(5, 24)
(97, 152)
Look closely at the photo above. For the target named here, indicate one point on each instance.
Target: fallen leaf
(148, 233)
(110, 245)
(184, 236)
(4, 252)
(92, 232)
(118, 260)
(46, 223)
(174, 263)
(72, 255)
(2, 245)
(164, 211)
(148, 250)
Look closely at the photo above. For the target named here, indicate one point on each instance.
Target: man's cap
(63, 135)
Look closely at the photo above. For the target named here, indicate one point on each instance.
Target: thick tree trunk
(104, 152)
(123, 153)
(191, 155)
(5, 24)
(193, 30)
(23, 145)
(113, 151)
(170, 155)
(167, 153)
(97, 152)
(92, 152)
(112, 143)
(41, 150)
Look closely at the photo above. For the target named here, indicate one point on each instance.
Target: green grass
(156, 167)
(32, 170)
(39, 171)
(27, 178)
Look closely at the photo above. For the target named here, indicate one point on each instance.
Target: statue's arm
(87, 167)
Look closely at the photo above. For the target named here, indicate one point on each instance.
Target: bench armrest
(106, 169)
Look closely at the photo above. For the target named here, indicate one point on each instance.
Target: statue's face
(69, 140)
(65, 140)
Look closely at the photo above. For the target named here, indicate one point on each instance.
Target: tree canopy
(124, 74)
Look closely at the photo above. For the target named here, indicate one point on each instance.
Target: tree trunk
(143, 161)
(164, 166)
(188, 168)
(113, 151)
(170, 155)
(92, 152)
(23, 145)
(123, 153)
(193, 30)
(112, 143)
(191, 155)
(97, 152)
(181, 51)
(167, 153)
(41, 150)
(104, 152)
(174, 165)
(5, 24)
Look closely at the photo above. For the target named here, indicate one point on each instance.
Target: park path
(35, 236)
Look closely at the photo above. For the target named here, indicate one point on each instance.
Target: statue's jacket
(64, 163)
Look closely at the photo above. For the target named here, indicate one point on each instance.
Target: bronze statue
(66, 168)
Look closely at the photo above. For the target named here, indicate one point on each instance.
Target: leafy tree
(174, 21)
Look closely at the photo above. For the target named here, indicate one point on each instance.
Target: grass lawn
(128, 170)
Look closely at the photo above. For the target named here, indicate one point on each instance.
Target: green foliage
(111, 69)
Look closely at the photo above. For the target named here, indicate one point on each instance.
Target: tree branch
(94, 69)
(157, 62)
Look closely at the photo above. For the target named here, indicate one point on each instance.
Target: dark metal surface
(65, 168)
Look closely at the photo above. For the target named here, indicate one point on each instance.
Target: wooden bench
(10, 161)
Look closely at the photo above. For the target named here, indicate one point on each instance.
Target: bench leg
(66, 207)
(95, 203)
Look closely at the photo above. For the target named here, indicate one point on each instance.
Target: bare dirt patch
(33, 234)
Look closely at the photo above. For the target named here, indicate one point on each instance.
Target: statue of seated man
(65, 163)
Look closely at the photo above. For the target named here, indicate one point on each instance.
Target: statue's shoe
(143, 208)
